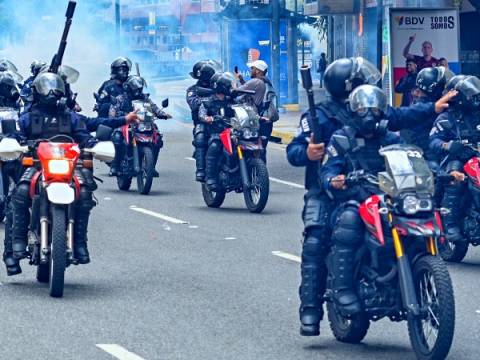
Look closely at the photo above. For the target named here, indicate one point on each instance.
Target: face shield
(68, 74)
(8, 65)
(368, 104)
(363, 72)
(46, 83)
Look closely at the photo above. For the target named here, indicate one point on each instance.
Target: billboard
(426, 37)
(249, 40)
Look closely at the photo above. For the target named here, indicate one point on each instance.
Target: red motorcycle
(54, 190)
(398, 273)
(241, 168)
(139, 153)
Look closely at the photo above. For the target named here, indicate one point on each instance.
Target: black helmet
(36, 66)
(134, 86)
(8, 86)
(453, 82)
(205, 69)
(48, 89)
(368, 104)
(120, 68)
(432, 81)
(222, 83)
(344, 75)
(468, 98)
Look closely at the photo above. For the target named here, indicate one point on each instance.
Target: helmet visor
(10, 78)
(368, 97)
(68, 74)
(135, 83)
(364, 69)
(8, 65)
(469, 87)
(47, 82)
(122, 61)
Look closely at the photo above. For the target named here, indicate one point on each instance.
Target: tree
(322, 27)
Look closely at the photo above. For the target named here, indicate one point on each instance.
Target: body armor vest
(44, 125)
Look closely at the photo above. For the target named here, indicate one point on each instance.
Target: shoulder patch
(434, 131)
(304, 124)
(190, 93)
(332, 151)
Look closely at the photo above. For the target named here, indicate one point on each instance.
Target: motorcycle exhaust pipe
(43, 239)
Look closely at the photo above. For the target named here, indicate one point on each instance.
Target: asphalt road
(202, 285)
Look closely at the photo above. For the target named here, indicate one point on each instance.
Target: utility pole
(292, 36)
(276, 44)
(117, 22)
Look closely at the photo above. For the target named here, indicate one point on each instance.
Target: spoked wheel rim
(429, 325)
(255, 191)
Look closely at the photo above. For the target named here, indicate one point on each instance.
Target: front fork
(136, 160)
(409, 296)
(70, 233)
(243, 168)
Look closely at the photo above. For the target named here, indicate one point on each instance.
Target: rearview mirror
(10, 149)
(342, 143)
(165, 103)
(104, 133)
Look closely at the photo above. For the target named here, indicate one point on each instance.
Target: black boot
(344, 293)
(82, 214)
(115, 166)
(452, 202)
(211, 167)
(200, 163)
(311, 298)
(12, 264)
(20, 203)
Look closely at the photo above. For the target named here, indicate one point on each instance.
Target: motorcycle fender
(226, 139)
(60, 193)
(125, 133)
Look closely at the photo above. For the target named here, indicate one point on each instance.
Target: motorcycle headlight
(412, 204)
(59, 167)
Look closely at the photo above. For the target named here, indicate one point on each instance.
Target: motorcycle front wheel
(453, 252)
(256, 196)
(431, 333)
(124, 182)
(147, 167)
(213, 199)
(58, 250)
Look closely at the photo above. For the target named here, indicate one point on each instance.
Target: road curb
(285, 136)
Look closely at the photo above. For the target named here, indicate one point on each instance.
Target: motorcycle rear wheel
(453, 252)
(351, 330)
(58, 250)
(431, 335)
(124, 182)
(147, 167)
(213, 199)
(257, 196)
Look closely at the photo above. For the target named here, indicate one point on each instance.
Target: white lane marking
(287, 256)
(158, 215)
(190, 158)
(298, 186)
(230, 238)
(119, 352)
(193, 227)
(478, 311)
(107, 198)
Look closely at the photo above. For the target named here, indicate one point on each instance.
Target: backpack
(270, 103)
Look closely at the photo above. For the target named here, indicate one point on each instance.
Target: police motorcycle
(398, 272)
(10, 169)
(240, 168)
(54, 191)
(139, 155)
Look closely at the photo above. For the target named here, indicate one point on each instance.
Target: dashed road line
(119, 352)
(288, 183)
(190, 158)
(158, 215)
(287, 256)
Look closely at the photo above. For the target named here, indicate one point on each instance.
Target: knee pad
(117, 138)
(200, 140)
(215, 147)
(316, 212)
(455, 189)
(316, 243)
(349, 228)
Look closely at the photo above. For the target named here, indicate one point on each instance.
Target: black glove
(456, 148)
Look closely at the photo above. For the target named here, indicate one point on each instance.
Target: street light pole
(117, 22)
(276, 44)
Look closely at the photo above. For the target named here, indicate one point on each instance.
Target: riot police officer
(215, 108)
(123, 104)
(202, 72)
(341, 77)
(26, 92)
(449, 138)
(9, 95)
(110, 89)
(49, 117)
(367, 133)
(430, 85)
